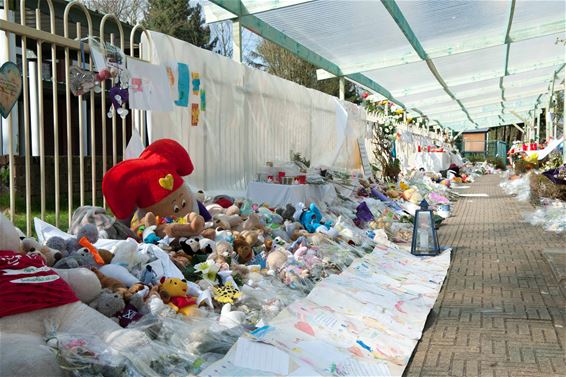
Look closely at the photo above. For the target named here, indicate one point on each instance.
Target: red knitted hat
(145, 181)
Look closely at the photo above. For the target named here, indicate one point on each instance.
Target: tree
(280, 62)
(223, 32)
(180, 20)
(130, 11)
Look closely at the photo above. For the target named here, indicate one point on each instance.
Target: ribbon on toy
(84, 242)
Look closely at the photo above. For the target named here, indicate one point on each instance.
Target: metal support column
(342, 88)
(237, 40)
(548, 117)
(537, 136)
(564, 119)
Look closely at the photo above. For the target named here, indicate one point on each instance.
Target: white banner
(232, 118)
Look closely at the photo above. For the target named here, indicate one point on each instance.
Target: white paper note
(352, 367)
(149, 88)
(260, 356)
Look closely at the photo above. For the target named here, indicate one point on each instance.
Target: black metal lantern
(425, 242)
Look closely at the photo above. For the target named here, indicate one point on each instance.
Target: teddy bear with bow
(150, 191)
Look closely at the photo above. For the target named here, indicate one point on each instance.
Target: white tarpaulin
(249, 117)
(406, 147)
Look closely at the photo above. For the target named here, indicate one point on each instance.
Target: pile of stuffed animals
(184, 255)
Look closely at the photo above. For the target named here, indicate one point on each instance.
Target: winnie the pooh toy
(151, 189)
(33, 294)
(173, 292)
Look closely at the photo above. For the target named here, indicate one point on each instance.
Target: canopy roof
(463, 64)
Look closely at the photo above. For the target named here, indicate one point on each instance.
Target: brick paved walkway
(500, 312)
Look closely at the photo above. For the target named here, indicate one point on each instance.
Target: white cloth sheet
(364, 322)
(278, 195)
(433, 161)
(251, 117)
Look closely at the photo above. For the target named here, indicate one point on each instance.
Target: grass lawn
(20, 215)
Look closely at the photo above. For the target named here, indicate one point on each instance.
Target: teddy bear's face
(174, 287)
(177, 204)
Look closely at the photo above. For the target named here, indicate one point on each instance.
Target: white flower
(209, 269)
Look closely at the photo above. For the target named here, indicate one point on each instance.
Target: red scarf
(27, 284)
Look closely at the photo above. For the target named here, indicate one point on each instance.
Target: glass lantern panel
(424, 241)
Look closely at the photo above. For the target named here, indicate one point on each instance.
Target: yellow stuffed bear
(173, 292)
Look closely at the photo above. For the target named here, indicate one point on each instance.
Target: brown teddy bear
(108, 282)
(243, 249)
(30, 245)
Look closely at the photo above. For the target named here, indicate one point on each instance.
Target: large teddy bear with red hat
(152, 190)
(32, 295)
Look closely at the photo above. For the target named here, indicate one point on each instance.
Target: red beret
(144, 181)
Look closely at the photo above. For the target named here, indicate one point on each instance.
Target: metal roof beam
(214, 13)
(508, 47)
(519, 117)
(401, 21)
(268, 32)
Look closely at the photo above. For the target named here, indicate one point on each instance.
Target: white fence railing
(84, 117)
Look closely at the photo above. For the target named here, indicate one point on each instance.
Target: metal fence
(497, 149)
(84, 118)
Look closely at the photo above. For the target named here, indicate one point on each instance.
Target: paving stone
(501, 311)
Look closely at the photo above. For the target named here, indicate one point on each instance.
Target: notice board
(474, 142)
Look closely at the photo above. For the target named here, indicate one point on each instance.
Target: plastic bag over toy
(263, 297)
(88, 355)
(194, 342)
(551, 216)
(519, 187)
(85, 355)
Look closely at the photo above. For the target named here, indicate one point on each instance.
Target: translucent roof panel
(538, 74)
(398, 78)
(465, 40)
(515, 92)
(488, 91)
(451, 26)
(533, 18)
(420, 96)
(345, 32)
(489, 109)
(451, 106)
(439, 101)
(491, 100)
(482, 99)
(472, 66)
(536, 53)
(527, 78)
(523, 103)
(474, 88)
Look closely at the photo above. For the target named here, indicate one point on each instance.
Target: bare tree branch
(130, 11)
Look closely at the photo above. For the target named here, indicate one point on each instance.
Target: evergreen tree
(179, 19)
